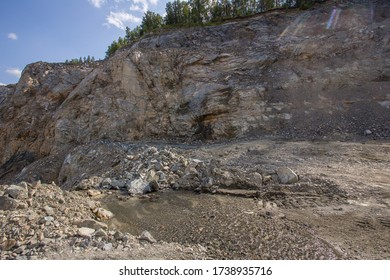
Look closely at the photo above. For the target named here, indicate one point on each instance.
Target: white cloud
(14, 72)
(1, 84)
(12, 36)
(136, 8)
(97, 3)
(144, 3)
(153, 2)
(121, 19)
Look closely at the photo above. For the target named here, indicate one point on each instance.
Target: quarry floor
(340, 210)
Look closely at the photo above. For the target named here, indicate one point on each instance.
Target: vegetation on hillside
(85, 60)
(201, 12)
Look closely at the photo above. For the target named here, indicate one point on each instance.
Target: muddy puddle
(173, 215)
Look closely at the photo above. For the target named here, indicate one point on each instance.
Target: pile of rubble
(39, 219)
(152, 169)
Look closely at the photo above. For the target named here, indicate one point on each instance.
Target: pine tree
(128, 35)
(150, 22)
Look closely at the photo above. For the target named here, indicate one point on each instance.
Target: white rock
(85, 232)
(103, 214)
(287, 176)
(145, 235)
(107, 247)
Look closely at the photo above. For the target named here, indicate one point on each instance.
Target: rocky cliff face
(292, 74)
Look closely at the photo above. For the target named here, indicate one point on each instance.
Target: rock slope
(293, 74)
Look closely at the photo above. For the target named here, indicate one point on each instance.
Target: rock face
(281, 73)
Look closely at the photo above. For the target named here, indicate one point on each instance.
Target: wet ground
(340, 209)
(228, 227)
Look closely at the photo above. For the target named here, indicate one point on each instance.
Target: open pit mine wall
(290, 73)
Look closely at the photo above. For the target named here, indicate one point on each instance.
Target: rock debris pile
(39, 219)
(153, 169)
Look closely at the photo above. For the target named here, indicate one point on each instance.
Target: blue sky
(56, 30)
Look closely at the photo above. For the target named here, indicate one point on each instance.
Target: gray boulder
(138, 186)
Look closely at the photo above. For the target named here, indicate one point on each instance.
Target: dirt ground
(338, 210)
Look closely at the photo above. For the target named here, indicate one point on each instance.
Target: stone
(176, 167)
(93, 192)
(154, 186)
(161, 176)
(158, 166)
(46, 220)
(107, 247)
(17, 192)
(257, 178)
(103, 214)
(8, 244)
(367, 132)
(49, 210)
(89, 183)
(106, 182)
(24, 185)
(20, 250)
(138, 186)
(89, 223)
(128, 238)
(85, 232)
(151, 175)
(226, 179)
(118, 235)
(191, 168)
(286, 176)
(207, 182)
(146, 236)
(118, 183)
(101, 233)
(8, 203)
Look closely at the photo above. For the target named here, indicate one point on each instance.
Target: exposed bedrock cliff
(288, 73)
